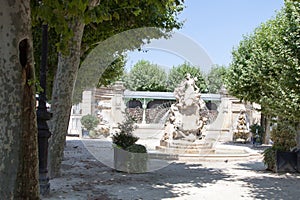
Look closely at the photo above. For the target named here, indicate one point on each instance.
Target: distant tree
(145, 76)
(178, 74)
(215, 78)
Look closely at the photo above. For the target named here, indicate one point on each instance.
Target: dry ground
(84, 177)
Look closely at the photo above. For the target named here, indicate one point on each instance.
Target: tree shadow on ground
(165, 183)
(269, 185)
(249, 145)
(84, 177)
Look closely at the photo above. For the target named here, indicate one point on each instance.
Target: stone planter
(298, 161)
(286, 162)
(85, 133)
(130, 162)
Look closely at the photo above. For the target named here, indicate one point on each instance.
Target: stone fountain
(185, 128)
(187, 136)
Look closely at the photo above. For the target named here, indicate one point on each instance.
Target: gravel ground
(85, 177)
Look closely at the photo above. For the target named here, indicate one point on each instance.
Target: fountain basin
(219, 152)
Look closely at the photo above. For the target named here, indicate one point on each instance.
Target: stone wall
(109, 103)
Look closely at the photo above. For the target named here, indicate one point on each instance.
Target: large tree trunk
(268, 127)
(18, 129)
(61, 103)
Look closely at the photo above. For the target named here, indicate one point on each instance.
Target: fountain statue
(185, 122)
(241, 131)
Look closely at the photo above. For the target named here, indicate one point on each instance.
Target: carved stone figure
(241, 130)
(185, 121)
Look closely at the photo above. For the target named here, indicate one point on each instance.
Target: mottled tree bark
(61, 103)
(268, 127)
(62, 94)
(18, 129)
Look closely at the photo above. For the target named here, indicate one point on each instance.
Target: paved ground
(84, 177)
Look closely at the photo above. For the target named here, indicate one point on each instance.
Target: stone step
(181, 142)
(203, 146)
(204, 157)
(162, 156)
(184, 150)
(189, 144)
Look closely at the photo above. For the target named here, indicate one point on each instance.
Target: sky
(216, 26)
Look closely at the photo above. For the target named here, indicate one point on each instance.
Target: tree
(116, 68)
(177, 74)
(215, 78)
(111, 73)
(18, 128)
(145, 76)
(265, 67)
(98, 21)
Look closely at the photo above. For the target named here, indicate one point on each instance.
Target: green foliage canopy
(113, 72)
(103, 19)
(178, 74)
(265, 67)
(145, 76)
(215, 78)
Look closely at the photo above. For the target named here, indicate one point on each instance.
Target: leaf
(116, 15)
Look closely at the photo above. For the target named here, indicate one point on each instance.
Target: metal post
(42, 116)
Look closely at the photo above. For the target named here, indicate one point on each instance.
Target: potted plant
(257, 133)
(89, 122)
(280, 158)
(128, 156)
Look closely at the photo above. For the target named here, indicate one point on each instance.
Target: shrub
(269, 158)
(260, 132)
(137, 148)
(89, 122)
(284, 136)
(128, 156)
(284, 139)
(125, 138)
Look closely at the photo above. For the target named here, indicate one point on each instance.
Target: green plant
(283, 137)
(89, 122)
(128, 156)
(259, 128)
(257, 132)
(137, 148)
(125, 138)
(269, 158)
